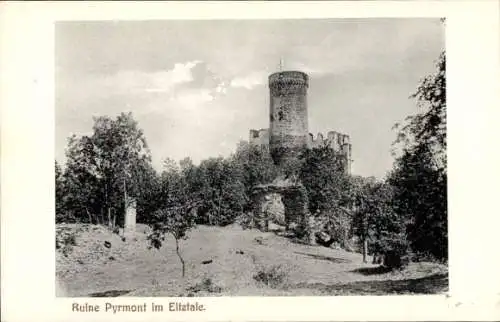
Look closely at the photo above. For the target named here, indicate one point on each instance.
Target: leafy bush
(246, 220)
(396, 253)
(274, 276)
(65, 240)
(337, 224)
(206, 285)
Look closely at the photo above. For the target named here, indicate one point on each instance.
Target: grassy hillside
(223, 261)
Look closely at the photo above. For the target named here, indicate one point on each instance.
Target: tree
(359, 189)
(426, 130)
(106, 170)
(149, 199)
(419, 176)
(222, 190)
(421, 197)
(176, 217)
(60, 193)
(82, 199)
(376, 222)
(121, 156)
(327, 185)
(256, 165)
(324, 178)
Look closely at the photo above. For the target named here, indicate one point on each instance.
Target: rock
(240, 252)
(207, 261)
(107, 244)
(324, 239)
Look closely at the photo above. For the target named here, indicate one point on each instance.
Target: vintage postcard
(249, 161)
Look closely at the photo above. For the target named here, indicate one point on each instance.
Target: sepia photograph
(270, 157)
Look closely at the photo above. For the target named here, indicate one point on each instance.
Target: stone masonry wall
(337, 141)
(288, 114)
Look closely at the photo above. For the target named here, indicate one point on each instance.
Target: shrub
(246, 220)
(206, 285)
(65, 240)
(337, 225)
(273, 276)
(396, 253)
(300, 231)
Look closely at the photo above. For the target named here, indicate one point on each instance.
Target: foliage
(222, 191)
(104, 171)
(420, 195)
(428, 128)
(82, 200)
(256, 165)
(375, 220)
(176, 207)
(327, 188)
(419, 176)
(65, 240)
(206, 285)
(274, 276)
(62, 215)
(176, 219)
(323, 176)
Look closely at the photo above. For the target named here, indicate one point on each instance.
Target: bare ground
(232, 258)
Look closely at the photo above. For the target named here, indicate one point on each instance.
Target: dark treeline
(404, 213)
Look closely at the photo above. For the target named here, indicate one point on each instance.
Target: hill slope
(232, 259)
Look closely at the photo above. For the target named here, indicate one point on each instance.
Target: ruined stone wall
(337, 141)
(282, 204)
(333, 139)
(259, 137)
(288, 131)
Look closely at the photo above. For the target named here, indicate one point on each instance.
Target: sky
(197, 87)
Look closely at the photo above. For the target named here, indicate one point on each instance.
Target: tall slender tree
(420, 173)
(107, 169)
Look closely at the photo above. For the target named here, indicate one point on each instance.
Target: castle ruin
(288, 132)
(287, 136)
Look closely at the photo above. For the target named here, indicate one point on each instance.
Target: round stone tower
(288, 115)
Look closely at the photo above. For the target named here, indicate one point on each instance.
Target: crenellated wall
(339, 142)
(333, 139)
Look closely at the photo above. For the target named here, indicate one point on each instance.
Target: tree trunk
(114, 219)
(180, 257)
(365, 249)
(218, 210)
(109, 218)
(124, 203)
(90, 216)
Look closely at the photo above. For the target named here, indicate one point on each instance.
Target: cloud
(202, 97)
(136, 81)
(165, 81)
(250, 81)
